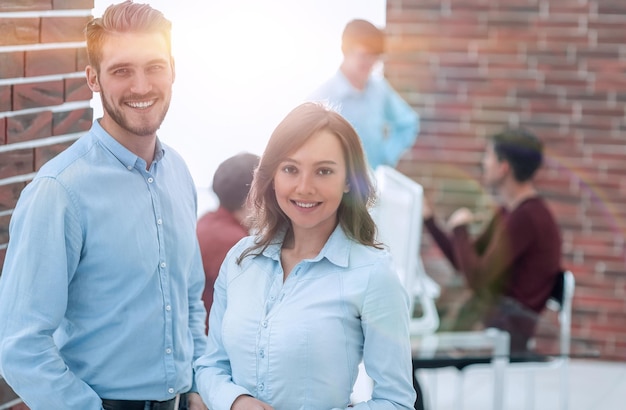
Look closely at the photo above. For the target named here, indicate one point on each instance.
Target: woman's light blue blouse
(297, 344)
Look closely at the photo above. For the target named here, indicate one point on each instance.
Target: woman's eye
(325, 171)
(289, 169)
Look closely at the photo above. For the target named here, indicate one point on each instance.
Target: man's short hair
(521, 149)
(232, 180)
(363, 33)
(124, 17)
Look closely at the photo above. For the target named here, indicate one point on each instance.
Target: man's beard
(142, 130)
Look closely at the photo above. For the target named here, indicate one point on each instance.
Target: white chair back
(398, 216)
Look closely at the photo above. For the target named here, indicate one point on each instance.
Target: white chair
(398, 217)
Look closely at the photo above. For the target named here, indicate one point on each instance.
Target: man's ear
(92, 79)
(173, 64)
(505, 167)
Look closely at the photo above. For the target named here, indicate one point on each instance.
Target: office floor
(593, 385)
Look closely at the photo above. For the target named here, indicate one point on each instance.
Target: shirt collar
(336, 249)
(345, 87)
(125, 156)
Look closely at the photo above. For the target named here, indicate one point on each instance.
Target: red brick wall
(558, 67)
(44, 99)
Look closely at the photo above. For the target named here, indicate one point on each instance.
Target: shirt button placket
(262, 356)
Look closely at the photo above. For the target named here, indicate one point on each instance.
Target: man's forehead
(134, 48)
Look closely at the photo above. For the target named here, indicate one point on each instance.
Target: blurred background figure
(387, 125)
(512, 265)
(222, 228)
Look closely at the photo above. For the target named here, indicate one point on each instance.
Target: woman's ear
(346, 187)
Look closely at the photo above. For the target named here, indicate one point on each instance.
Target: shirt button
(163, 264)
(264, 323)
(159, 221)
(262, 353)
(168, 351)
(150, 180)
(168, 308)
(129, 167)
(272, 298)
(261, 386)
(170, 390)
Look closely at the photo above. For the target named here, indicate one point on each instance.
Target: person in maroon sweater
(512, 265)
(220, 230)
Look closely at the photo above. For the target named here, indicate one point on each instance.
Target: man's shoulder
(533, 213)
(329, 90)
(68, 157)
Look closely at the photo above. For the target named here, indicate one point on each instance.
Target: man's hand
(461, 216)
(245, 402)
(194, 402)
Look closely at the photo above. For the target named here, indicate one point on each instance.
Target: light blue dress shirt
(387, 125)
(100, 295)
(297, 344)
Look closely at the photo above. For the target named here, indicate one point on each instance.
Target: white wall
(241, 66)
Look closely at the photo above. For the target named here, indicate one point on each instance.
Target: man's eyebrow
(150, 62)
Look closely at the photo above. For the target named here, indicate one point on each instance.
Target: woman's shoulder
(367, 255)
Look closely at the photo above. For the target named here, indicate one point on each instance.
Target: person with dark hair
(221, 229)
(512, 265)
(307, 298)
(386, 124)
(100, 295)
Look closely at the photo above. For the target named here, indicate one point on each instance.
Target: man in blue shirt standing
(100, 295)
(387, 125)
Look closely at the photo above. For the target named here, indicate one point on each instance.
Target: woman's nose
(305, 184)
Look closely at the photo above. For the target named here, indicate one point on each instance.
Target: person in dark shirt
(512, 265)
(221, 229)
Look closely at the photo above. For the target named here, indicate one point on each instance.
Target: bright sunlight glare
(241, 66)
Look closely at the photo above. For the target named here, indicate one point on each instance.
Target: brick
(46, 62)
(24, 5)
(16, 31)
(16, 162)
(60, 29)
(71, 121)
(4, 228)
(608, 35)
(29, 127)
(72, 4)
(12, 64)
(5, 98)
(47, 152)
(33, 95)
(3, 130)
(9, 194)
(76, 89)
(611, 7)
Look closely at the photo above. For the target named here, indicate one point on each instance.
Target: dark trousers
(419, 400)
(139, 404)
